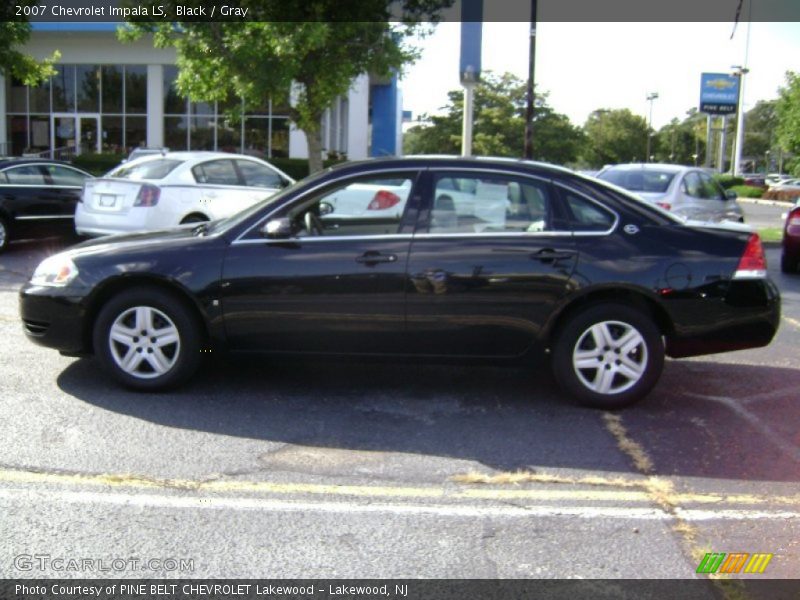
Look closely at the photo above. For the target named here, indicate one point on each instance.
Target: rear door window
(25, 175)
(216, 172)
(258, 175)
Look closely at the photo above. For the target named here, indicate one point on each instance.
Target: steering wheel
(313, 223)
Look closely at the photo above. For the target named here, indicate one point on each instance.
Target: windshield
(150, 169)
(639, 180)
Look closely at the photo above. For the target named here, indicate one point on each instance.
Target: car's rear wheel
(3, 234)
(608, 355)
(148, 339)
(194, 219)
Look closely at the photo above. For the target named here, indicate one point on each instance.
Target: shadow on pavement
(505, 418)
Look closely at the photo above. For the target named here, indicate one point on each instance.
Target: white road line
(273, 505)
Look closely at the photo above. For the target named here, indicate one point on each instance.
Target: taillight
(793, 222)
(664, 205)
(753, 263)
(148, 195)
(383, 199)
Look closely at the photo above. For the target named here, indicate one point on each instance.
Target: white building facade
(112, 97)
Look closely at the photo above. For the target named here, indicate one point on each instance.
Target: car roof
(669, 168)
(455, 162)
(13, 162)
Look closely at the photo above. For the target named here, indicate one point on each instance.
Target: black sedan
(475, 258)
(37, 197)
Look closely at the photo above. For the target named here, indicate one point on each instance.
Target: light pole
(740, 72)
(650, 97)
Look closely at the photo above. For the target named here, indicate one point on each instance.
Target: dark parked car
(790, 257)
(525, 257)
(37, 197)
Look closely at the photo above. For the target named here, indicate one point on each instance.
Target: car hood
(159, 237)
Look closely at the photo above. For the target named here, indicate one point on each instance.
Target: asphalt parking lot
(342, 469)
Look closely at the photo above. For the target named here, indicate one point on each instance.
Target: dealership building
(109, 96)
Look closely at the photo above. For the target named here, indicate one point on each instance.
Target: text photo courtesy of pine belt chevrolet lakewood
(488, 259)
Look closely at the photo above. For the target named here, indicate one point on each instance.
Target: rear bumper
(747, 316)
(54, 317)
(95, 224)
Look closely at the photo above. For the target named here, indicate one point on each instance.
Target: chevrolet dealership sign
(719, 93)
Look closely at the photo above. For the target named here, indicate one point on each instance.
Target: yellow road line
(792, 321)
(368, 491)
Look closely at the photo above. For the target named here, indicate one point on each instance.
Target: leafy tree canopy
(498, 125)
(316, 49)
(14, 34)
(788, 115)
(615, 136)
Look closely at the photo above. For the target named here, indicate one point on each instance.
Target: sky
(586, 66)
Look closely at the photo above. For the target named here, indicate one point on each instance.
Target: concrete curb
(766, 202)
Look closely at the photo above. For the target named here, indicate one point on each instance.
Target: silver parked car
(689, 192)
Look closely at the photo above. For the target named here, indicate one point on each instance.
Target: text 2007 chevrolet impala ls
(474, 258)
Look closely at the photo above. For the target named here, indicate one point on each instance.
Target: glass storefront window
(256, 136)
(16, 96)
(135, 132)
(280, 138)
(202, 134)
(174, 103)
(111, 138)
(40, 133)
(63, 83)
(135, 90)
(112, 89)
(175, 133)
(17, 132)
(88, 78)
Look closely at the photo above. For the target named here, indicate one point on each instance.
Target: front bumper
(55, 318)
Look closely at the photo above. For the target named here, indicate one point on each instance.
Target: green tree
(14, 34)
(498, 124)
(788, 115)
(316, 49)
(614, 136)
(682, 142)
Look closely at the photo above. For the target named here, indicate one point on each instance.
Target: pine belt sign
(719, 93)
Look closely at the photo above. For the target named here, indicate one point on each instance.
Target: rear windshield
(149, 169)
(639, 180)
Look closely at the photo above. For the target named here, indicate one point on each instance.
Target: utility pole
(650, 98)
(529, 108)
(740, 72)
(470, 64)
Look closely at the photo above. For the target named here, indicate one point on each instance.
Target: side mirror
(277, 229)
(731, 195)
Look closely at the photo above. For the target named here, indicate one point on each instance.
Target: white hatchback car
(154, 192)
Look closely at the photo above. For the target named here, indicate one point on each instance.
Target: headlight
(57, 270)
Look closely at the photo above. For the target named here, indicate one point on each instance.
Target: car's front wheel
(148, 339)
(3, 234)
(608, 355)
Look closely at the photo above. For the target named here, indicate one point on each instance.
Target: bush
(729, 181)
(97, 164)
(747, 191)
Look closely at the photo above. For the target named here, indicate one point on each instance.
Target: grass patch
(771, 234)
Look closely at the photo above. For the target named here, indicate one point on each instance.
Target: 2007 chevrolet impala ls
(473, 258)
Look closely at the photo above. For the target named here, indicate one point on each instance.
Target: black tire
(179, 360)
(616, 321)
(5, 233)
(194, 219)
(788, 265)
